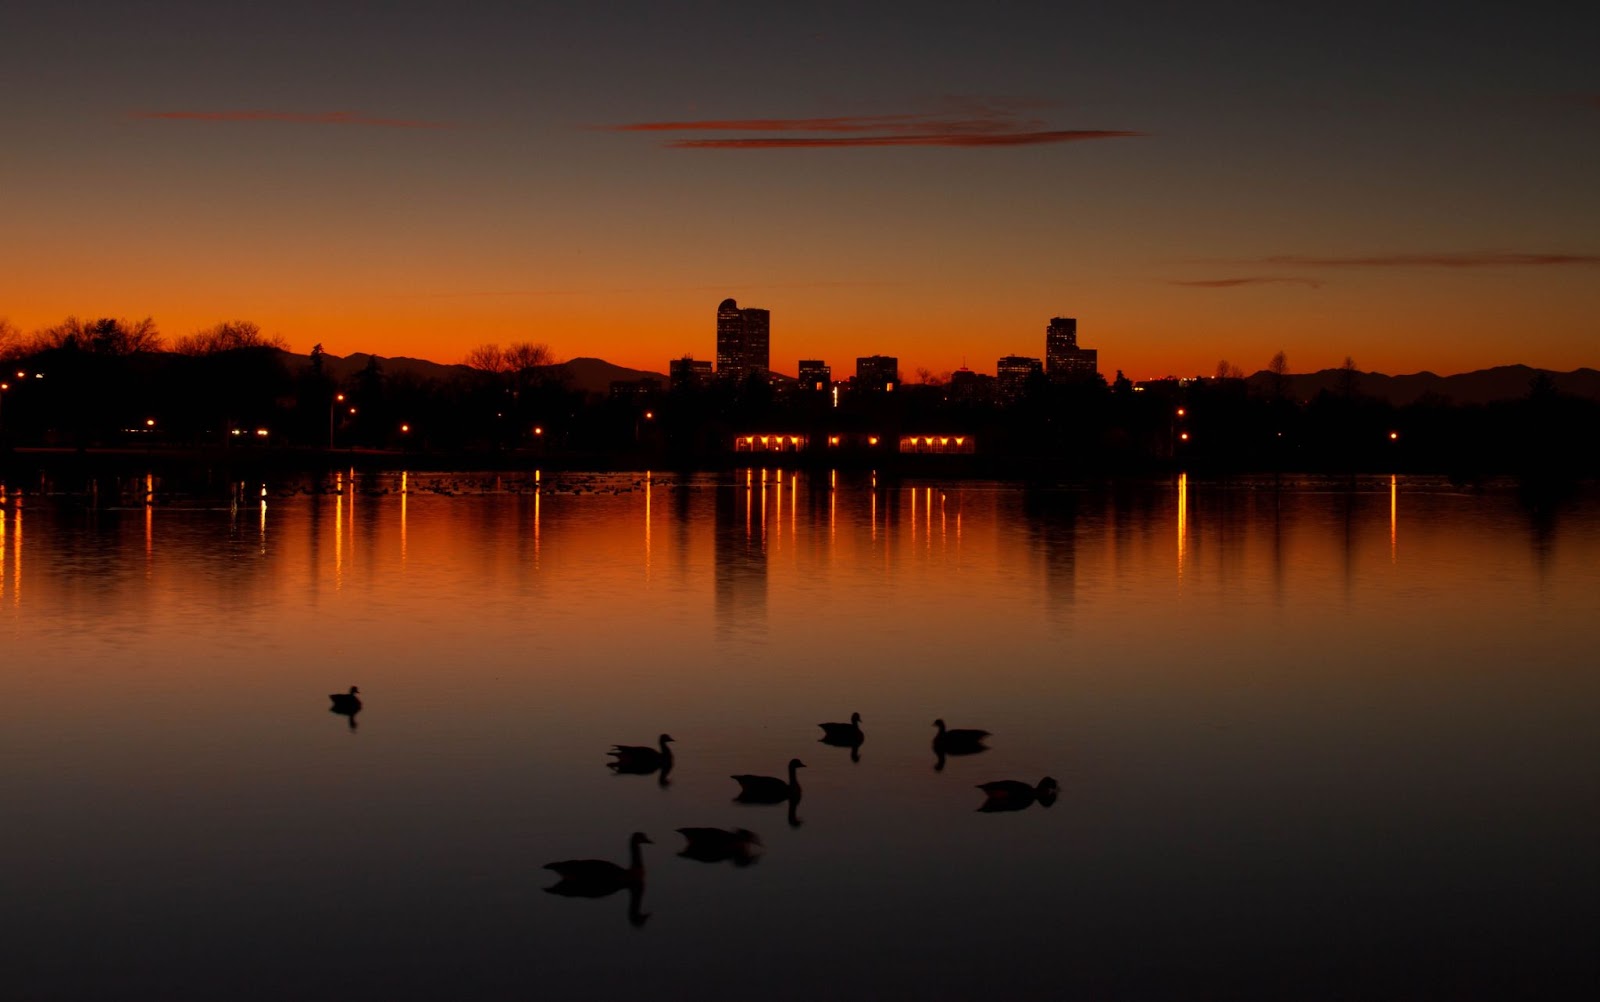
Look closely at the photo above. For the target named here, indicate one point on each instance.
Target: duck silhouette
(641, 760)
(595, 878)
(843, 735)
(1015, 795)
(714, 845)
(770, 789)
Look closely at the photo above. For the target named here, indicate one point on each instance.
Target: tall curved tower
(744, 341)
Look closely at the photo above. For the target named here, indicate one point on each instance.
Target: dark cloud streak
(1464, 259)
(963, 123)
(844, 123)
(1232, 283)
(960, 139)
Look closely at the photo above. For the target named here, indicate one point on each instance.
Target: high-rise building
(815, 374)
(744, 341)
(1063, 358)
(687, 373)
(1011, 375)
(877, 372)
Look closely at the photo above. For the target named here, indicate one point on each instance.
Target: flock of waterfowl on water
(592, 878)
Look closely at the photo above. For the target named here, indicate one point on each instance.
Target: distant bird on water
(1014, 795)
(713, 845)
(642, 759)
(846, 735)
(595, 878)
(770, 789)
(958, 741)
(346, 702)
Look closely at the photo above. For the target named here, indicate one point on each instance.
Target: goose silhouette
(713, 845)
(958, 741)
(346, 703)
(770, 789)
(595, 878)
(1015, 795)
(843, 735)
(642, 759)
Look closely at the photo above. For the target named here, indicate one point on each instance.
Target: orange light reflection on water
(1183, 519)
(1394, 509)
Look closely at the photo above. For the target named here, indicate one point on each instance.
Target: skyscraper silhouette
(1063, 359)
(744, 340)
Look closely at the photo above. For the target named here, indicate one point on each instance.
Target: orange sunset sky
(1414, 190)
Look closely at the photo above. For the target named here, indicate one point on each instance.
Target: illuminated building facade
(815, 374)
(877, 372)
(1063, 358)
(938, 445)
(1011, 375)
(688, 373)
(771, 443)
(744, 341)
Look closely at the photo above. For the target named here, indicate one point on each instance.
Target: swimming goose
(593, 878)
(1014, 795)
(346, 702)
(960, 741)
(843, 734)
(642, 758)
(713, 845)
(770, 789)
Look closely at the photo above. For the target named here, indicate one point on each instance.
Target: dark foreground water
(1330, 741)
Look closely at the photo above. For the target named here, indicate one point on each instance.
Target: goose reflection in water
(845, 736)
(642, 760)
(598, 878)
(716, 845)
(772, 790)
(346, 704)
(1015, 795)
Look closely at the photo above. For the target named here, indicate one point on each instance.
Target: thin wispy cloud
(841, 123)
(975, 123)
(930, 139)
(1233, 283)
(294, 117)
(1449, 259)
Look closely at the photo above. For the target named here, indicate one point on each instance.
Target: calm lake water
(1334, 740)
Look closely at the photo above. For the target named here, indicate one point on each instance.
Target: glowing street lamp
(338, 398)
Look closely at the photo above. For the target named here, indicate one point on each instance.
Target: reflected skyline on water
(367, 522)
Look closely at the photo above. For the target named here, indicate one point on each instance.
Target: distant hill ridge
(591, 375)
(1503, 382)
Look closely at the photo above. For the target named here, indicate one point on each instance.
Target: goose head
(855, 719)
(639, 838)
